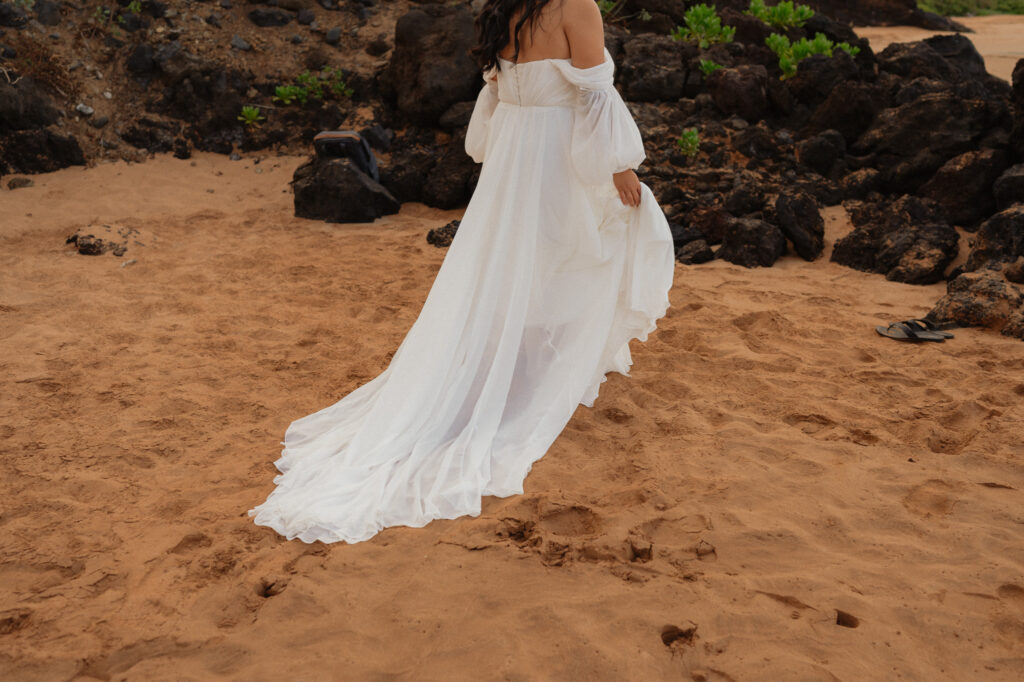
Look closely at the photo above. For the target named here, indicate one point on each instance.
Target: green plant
(609, 8)
(101, 15)
(135, 7)
(311, 83)
(25, 4)
(288, 94)
(335, 80)
(251, 116)
(689, 142)
(311, 86)
(783, 15)
(791, 54)
(704, 27)
(961, 8)
(708, 67)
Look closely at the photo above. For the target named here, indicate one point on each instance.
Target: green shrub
(791, 54)
(309, 85)
(783, 15)
(708, 67)
(959, 8)
(689, 142)
(287, 94)
(704, 27)
(251, 116)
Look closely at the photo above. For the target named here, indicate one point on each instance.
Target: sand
(999, 39)
(777, 493)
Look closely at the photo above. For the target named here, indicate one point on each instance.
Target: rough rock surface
(336, 191)
(425, 88)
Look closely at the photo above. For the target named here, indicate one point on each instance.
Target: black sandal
(921, 324)
(902, 331)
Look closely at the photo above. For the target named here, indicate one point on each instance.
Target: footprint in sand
(931, 498)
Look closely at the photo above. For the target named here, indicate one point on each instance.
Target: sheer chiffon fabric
(547, 280)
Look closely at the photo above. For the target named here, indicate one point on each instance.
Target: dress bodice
(537, 83)
(604, 139)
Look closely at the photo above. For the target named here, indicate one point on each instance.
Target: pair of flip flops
(914, 330)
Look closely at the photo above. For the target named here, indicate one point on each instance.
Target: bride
(562, 257)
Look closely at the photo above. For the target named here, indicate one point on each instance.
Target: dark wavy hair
(492, 32)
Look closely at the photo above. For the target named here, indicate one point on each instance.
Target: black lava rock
(798, 217)
(336, 191)
(752, 243)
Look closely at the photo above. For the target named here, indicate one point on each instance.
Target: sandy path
(999, 39)
(771, 463)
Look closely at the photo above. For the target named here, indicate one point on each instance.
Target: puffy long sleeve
(605, 138)
(480, 121)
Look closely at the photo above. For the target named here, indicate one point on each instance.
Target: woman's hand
(628, 185)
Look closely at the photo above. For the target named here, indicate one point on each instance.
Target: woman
(562, 258)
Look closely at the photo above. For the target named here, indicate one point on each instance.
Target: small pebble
(85, 109)
(240, 43)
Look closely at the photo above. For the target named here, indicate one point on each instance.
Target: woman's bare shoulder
(584, 28)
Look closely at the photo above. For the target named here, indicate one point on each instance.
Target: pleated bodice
(538, 83)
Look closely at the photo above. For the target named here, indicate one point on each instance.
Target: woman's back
(561, 29)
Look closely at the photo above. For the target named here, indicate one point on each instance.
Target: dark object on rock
(798, 217)
(425, 88)
(19, 183)
(982, 299)
(742, 91)
(442, 237)
(651, 68)
(824, 153)
(333, 36)
(38, 151)
(269, 17)
(963, 186)
(752, 243)
(906, 240)
(99, 122)
(694, 253)
(1009, 187)
(347, 144)
(335, 190)
(305, 17)
(1000, 239)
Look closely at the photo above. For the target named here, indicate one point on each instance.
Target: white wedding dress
(549, 277)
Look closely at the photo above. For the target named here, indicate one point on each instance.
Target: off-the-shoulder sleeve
(605, 138)
(480, 121)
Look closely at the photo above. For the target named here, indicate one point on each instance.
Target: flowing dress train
(547, 280)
